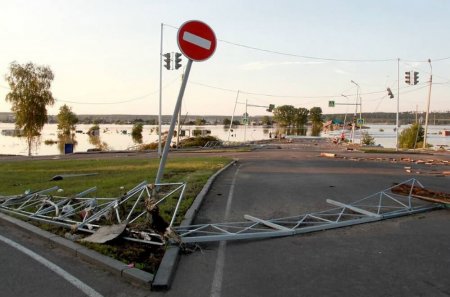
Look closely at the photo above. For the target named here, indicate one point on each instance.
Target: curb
(93, 257)
(166, 270)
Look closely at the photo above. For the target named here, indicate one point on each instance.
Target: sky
(105, 54)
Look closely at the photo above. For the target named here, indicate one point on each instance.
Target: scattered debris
(422, 193)
(328, 155)
(134, 216)
(430, 162)
(106, 233)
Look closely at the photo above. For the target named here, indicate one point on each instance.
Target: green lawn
(114, 176)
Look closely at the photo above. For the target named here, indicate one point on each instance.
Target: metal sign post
(162, 163)
(197, 42)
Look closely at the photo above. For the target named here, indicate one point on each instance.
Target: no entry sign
(196, 40)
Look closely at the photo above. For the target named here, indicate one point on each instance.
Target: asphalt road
(24, 276)
(407, 256)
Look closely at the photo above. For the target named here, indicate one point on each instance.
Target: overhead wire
(122, 101)
(263, 94)
(297, 96)
(312, 57)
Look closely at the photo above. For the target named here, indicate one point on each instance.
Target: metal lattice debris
(379, 206)
(80, 213)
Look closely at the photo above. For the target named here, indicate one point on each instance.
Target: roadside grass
(18, 176)
(114, 177)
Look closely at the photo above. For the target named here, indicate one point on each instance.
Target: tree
(266, 120)
(30, 94)
(284, 115)
(66, 120)
(315, 115)
(136, 132)
(226, 122)
(200, 122)
(301, 117)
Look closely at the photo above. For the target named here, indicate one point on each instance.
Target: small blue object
(68, 148)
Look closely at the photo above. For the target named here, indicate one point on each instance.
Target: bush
(197, 141)
(367, 139)
(411, 137)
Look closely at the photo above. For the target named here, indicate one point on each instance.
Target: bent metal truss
(379, 206)
(81, 213)
(130, 212)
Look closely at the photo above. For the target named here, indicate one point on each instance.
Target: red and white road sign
(196, 40)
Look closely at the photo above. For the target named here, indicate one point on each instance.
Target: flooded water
(118, 137)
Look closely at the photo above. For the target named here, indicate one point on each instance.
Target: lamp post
(428, 107)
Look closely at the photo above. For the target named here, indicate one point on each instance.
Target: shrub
(411, 137)
(367, 139)
(197, 141)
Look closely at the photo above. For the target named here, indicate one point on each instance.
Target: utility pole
(428, 107)
(398, 105)
(232, 116)
(246, 121)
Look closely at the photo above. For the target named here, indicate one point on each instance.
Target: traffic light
(408, 77)
(177, 60)
(331, 103)
(416, 77)
(245, 118)
(390, 93)
(167, 60)
(271, 107)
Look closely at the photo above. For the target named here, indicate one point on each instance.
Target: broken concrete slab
(106, 233)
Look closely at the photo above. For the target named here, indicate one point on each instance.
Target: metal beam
(353, 208)
(266, 223)
(393, 205)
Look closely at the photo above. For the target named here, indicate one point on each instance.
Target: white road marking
(197, 40)
(58, 270)
(216, 287)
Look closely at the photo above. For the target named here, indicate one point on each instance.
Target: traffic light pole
(428, 108)
(162, 163)
(160, 91)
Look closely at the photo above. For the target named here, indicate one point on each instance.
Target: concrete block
(166, 271)
(134, 274)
